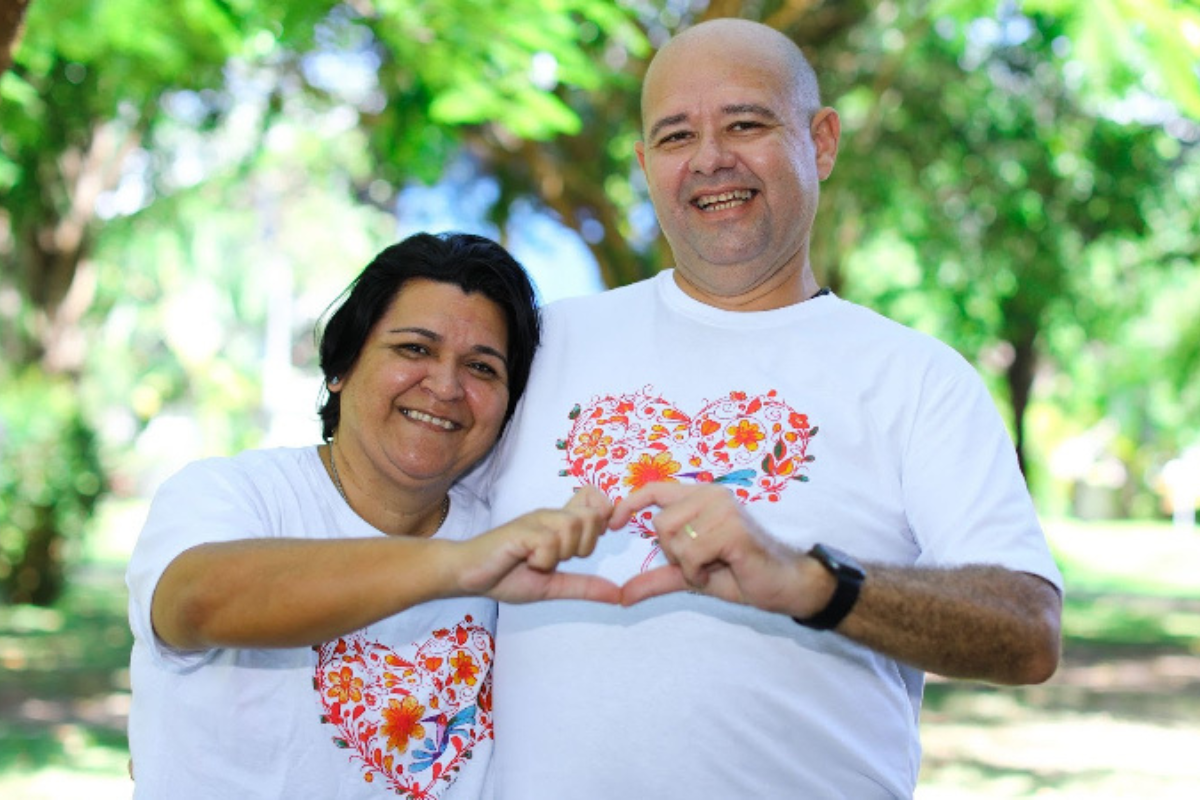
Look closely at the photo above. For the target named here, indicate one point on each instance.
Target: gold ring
(690, 531)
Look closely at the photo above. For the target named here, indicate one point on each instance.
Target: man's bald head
(748, 40)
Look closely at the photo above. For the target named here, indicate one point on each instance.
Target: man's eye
(674, 138)
(746, 125)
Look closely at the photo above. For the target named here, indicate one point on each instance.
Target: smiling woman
(323, 616)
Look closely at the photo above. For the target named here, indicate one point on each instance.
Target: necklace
(337, 482)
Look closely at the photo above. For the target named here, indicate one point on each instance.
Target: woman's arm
(293, 592)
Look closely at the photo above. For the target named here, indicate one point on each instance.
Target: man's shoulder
(861, 328)
(600, 301)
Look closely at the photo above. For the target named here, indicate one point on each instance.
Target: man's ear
(826, 132)
(639, 147)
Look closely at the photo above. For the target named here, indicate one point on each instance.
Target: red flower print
(745, 434)
(649, 469)
(592, 443)
(465, 670)
(402, 722)
(797, 420)
(344, 686)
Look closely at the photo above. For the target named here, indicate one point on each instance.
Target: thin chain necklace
(337, 481)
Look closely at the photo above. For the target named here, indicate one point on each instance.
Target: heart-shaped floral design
(755, 445)
(412, 719)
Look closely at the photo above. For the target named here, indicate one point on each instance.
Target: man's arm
(976, 622)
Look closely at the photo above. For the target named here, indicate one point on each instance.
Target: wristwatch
(850, 576)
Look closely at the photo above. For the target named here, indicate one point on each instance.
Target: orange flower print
(402, 722)
(648, 469)
(463, 668)
(592, 443)
(746, 434)
(344, 686)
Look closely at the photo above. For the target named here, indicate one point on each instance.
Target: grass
(1132, 590)
(64, 693)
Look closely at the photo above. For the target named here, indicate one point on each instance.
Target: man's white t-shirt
(832, 424)
(400, 708)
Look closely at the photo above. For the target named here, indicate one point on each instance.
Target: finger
(573, 586)
(590, 498)
(594, 527)
(695, 571)
(544, 552)
(661, 494)
(652, 583)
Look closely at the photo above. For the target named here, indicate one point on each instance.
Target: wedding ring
(690, 531)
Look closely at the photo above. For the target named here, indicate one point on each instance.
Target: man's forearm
(976, 622)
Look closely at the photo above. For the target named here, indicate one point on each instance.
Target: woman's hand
(517, 562)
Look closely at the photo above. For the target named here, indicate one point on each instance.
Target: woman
(315, 622)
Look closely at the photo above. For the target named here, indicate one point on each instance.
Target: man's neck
(786, 288)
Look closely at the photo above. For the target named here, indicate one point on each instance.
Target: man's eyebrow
(750, 108)
(733, 108)
(674, 119)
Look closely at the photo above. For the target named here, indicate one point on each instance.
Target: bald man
(813, 505)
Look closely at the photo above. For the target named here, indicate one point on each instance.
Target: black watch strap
(849, 575)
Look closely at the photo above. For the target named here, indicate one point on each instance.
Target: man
(814, 505)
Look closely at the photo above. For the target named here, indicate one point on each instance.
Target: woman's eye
(410, 348)
(483, 369)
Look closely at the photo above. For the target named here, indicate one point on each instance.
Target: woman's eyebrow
(437, 337)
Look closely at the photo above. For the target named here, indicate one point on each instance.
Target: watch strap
(845, 594)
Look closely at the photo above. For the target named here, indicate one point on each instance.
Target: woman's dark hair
(473, 263)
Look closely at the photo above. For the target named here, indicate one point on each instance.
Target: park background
(185, 187)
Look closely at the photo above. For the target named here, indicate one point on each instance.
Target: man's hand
(517, 562)
(979, 621)
(713, 547)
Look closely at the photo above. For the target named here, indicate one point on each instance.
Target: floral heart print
(410, 718)
(755, 445)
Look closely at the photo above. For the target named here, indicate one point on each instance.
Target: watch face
(837, 561)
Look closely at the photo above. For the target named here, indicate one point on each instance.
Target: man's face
(732, 167)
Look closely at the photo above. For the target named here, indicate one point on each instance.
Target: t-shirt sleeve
(204, 502)
(966, 499)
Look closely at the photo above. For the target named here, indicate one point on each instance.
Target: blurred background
(186, 187)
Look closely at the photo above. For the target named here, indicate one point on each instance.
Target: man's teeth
(421, 416)
(725, 200)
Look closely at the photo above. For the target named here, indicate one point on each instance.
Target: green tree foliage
(50, 481)
(998, 177)
(105, 99)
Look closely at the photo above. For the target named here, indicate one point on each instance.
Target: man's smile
(724, 200)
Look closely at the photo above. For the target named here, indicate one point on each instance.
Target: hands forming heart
(698, 471)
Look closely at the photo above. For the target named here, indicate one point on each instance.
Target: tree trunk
(12, 23)
(1019, 376)
(38, 577)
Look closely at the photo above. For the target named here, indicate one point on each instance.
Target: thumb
(589, 499)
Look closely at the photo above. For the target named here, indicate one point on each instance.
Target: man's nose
(712, 153)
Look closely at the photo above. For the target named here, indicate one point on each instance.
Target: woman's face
(426, 398)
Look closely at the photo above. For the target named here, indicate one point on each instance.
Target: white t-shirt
(832, 424)
(400, 708)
